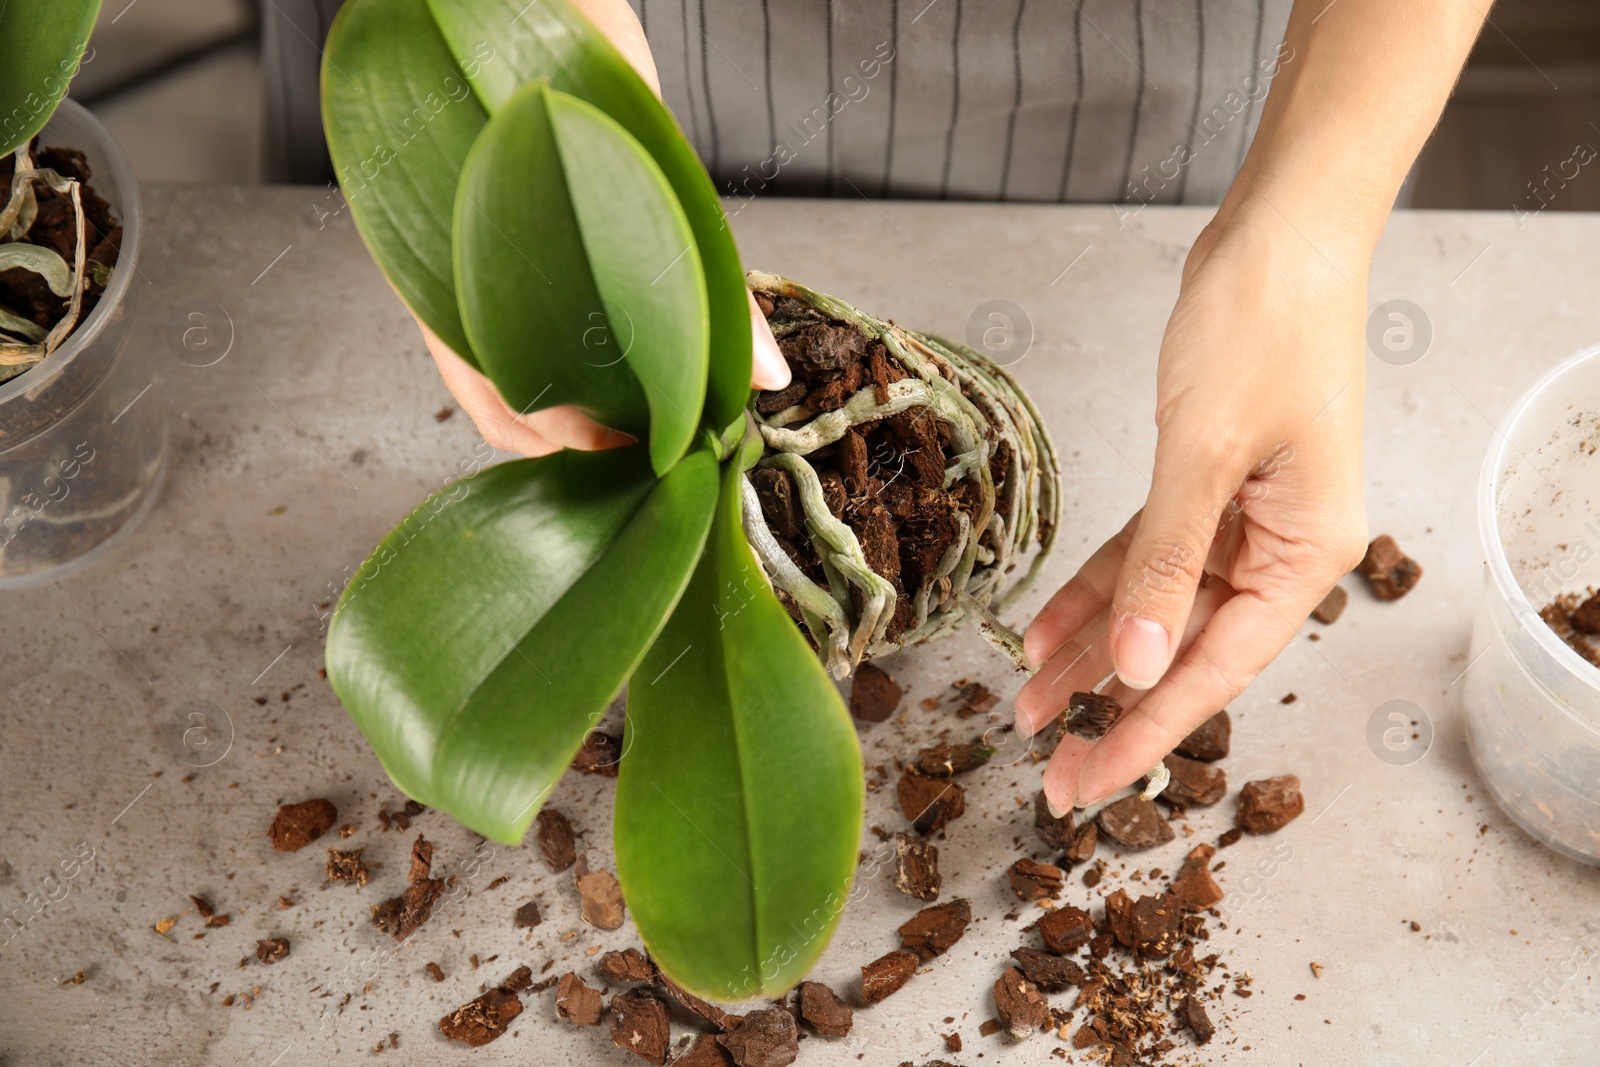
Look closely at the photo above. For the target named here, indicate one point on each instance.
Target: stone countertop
(321, 427)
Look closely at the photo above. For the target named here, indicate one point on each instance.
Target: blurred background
(223, 91)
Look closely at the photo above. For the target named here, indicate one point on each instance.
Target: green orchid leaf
(490, 629)
(740, 798)
(550, 38)
(399, 117)
(41, 43)
(577, 274)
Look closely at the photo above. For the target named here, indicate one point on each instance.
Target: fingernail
(771, 370)
(1142, 653)
(1056, 811)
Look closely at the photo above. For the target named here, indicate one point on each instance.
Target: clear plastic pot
(1532, 702)
(82, 443)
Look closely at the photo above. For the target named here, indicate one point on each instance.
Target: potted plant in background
(74, 472)
(535, 205)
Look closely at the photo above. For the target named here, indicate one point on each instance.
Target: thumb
(1155, 590)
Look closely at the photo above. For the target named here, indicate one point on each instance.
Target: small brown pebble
(952, 1042)
(1269, 804)
(272, 949)
(1288, 698)
(626, 965)
(1081, 848)
(639, 1024)
(1193, 888)
(947, 760)
(823, 1011)
(874, 694)
(1090, 715)
(527, 916)
(1050, 972)
(347, 867)
(1229, 837)
(1332, 606)
(916, 867)
(1391, 573)
(482, 1019)
(435, 972)
(1020, 1005)
(443, 413)
(1194, 781)
(600, 897)
(1133, 824)
(297, 825)
(1210, 740)
(888, 973)
(1196, 1019)
(1055, 833)
(557, 843)
(1065, 929)
(929, 804)
(1032, 881)
(1415, 926)
(577, 1002)
(931, 931)
(1091, 877)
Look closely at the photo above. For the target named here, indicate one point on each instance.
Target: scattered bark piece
(823, 1011)
(1210, 740)
(916, 867)
(1065, 929)
(203, 908)
(1194, 781)
(527, 916)
(952, 1042)
(272, 949)
(1270, 804)
(557, 843)
(1194, 889)
(402, 916)
(1134, 824)
(990, 1027)
(1020, 1005)
(930, 803)
(947, 760)
(600, 755)
(297, 825)
(721, 1018)
(931, 931)
(1332, 606)
(639, 1024)
(77, 979)
(704, 1051)
(1081, 848)
(519, 981)
(421, 860)
(626, 965)
(764, 1038)
(435, 972)
(482, 1019)
(1229, 837)
(1032, 881)
(1090, 715)
(1150, 925)
(1049, 972)
(600, 896)
(975, 698)
(1196, 1019)
(576, 1002)
(347, 867)
(886, 974)
(874, 694)
(1055, 833)
(1316, 970)
(1391, 573)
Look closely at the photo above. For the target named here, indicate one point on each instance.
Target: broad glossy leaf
(549, 38)
(740, 798)
(493, 626)
(576, 272)
(41, 42)
(399, 118)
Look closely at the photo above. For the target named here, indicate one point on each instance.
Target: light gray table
(295, 453)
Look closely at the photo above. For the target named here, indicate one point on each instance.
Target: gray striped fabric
(1151, 101)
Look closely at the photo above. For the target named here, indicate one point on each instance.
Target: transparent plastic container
(82, 441)
(1533, 703)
